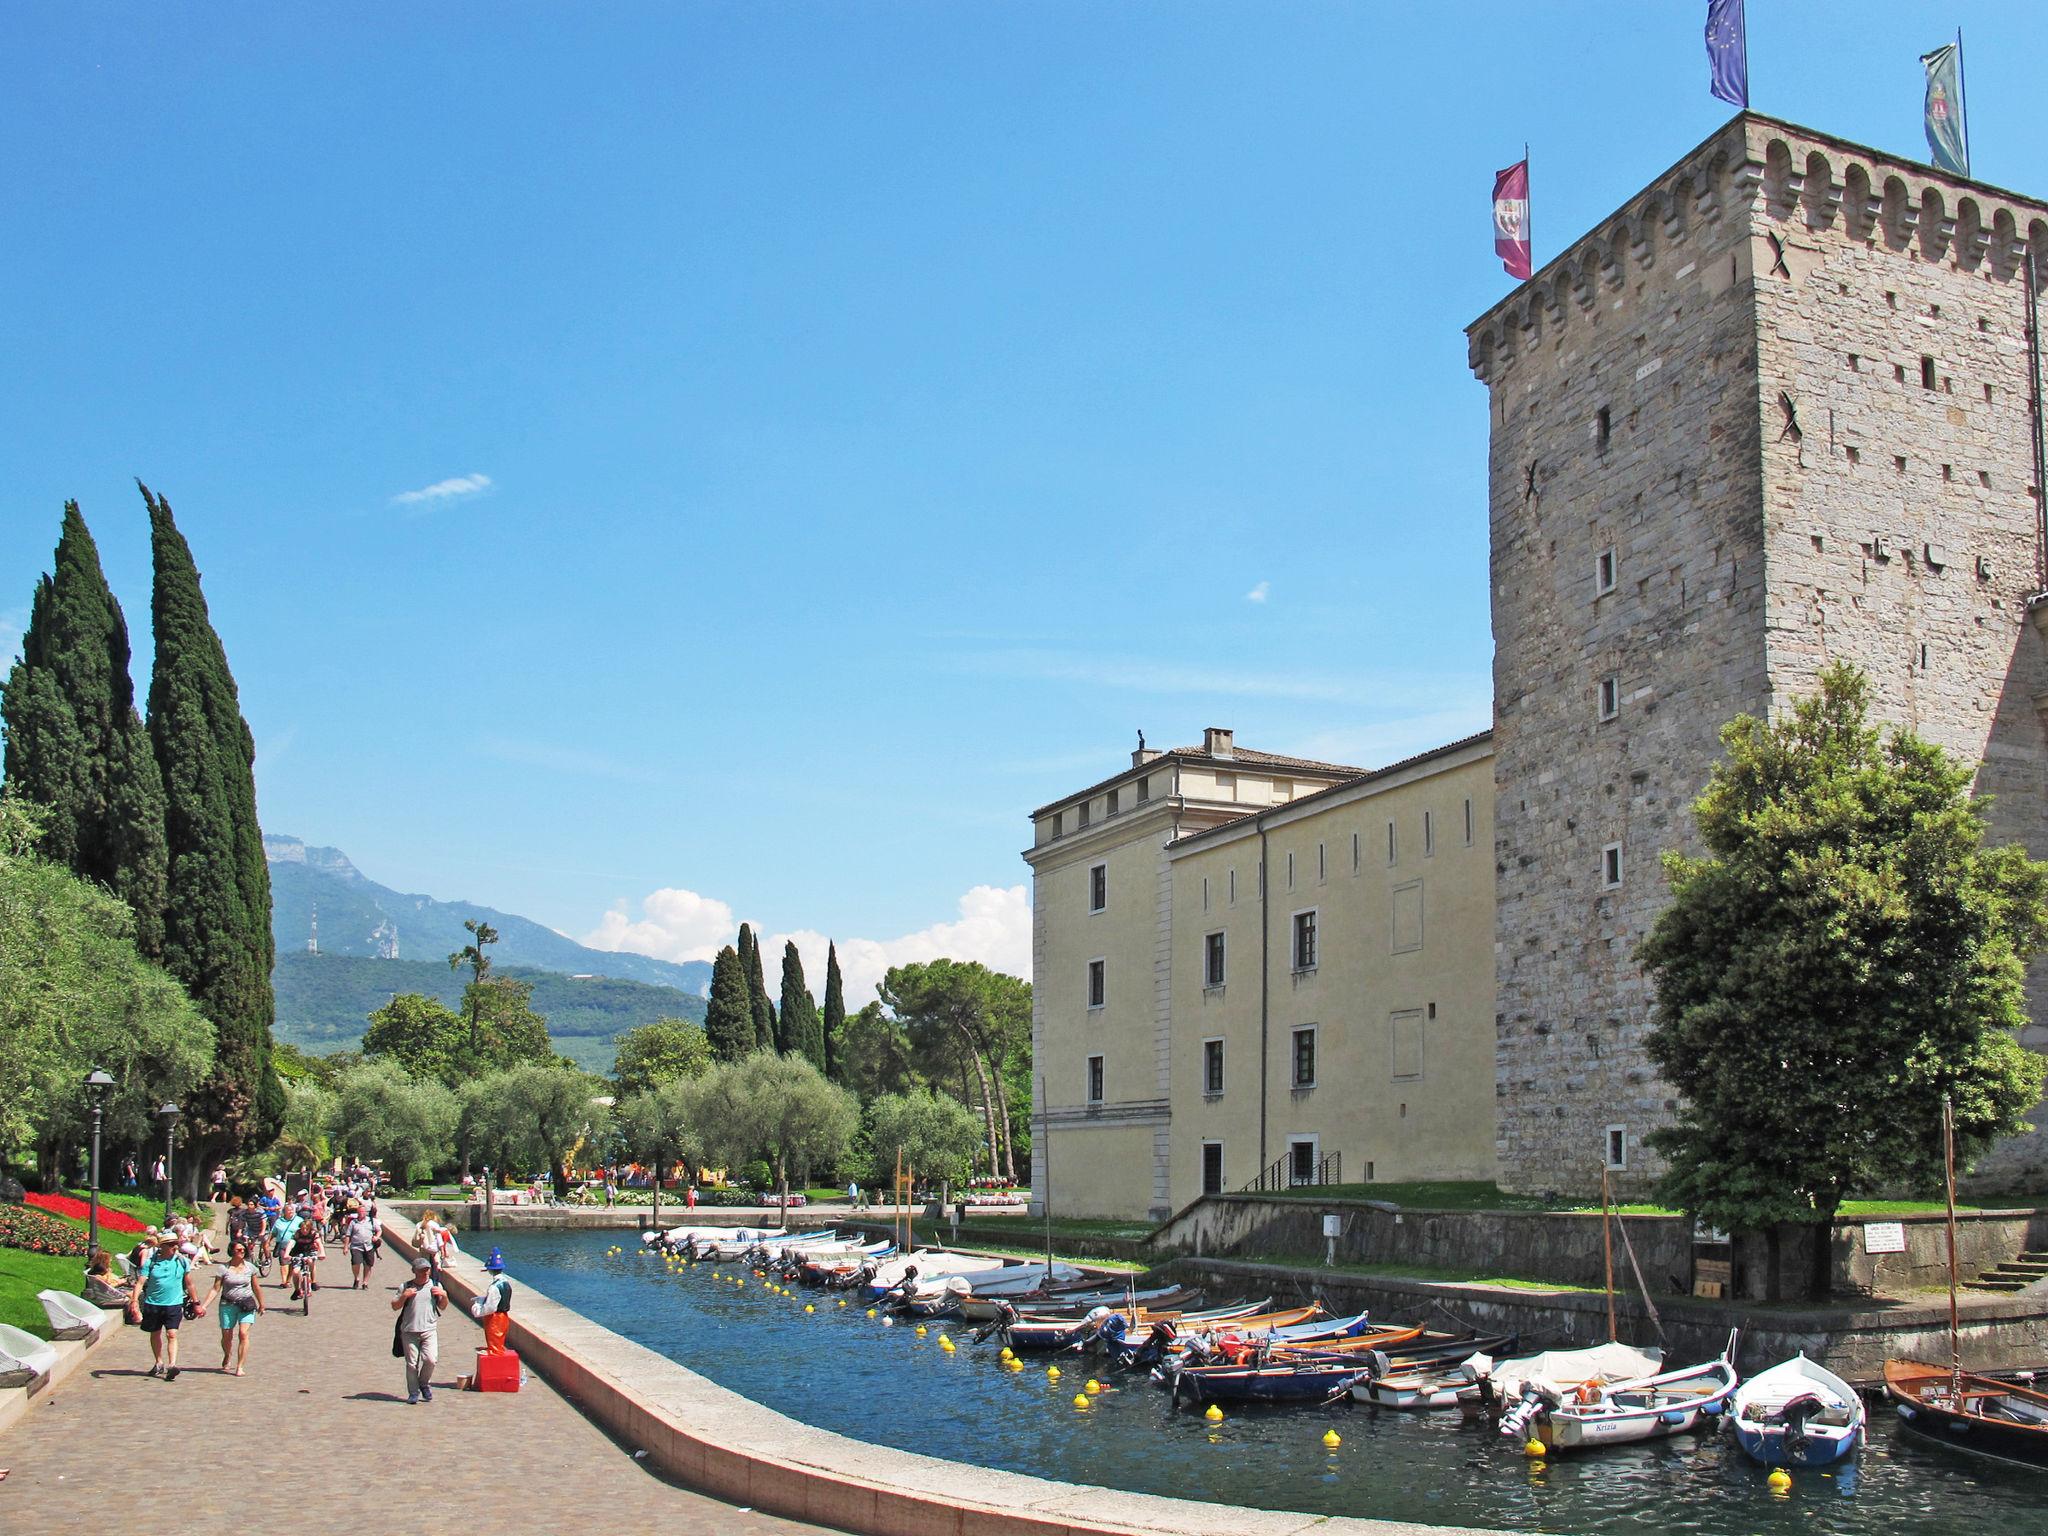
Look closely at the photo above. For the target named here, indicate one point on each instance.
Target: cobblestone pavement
(96, 1456)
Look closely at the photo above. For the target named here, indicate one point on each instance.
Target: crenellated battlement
(1753, 173)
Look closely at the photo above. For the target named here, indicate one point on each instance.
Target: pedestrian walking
(365, 1233)
(239, 1291)
(157, 1299)
(160, 1175)
(436, 1242)
(493, 1305)
(418, 1307)
(690, 1198)
(220, 1182)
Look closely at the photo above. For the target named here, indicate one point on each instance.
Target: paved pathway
(94, 1457)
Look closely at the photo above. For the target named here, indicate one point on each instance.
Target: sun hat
(495, 1263)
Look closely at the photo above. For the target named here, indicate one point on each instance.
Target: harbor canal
(837, 1369)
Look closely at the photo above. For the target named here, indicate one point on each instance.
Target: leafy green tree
(1847, 954)
(505, 1030)
(659, 1128)
(960, 1013)
(217, 899)
(75, 743)
(797, 1021)
(775, 1108)
(381, 1111)
(534, 1114)
(757, 990)
(75, 995)
(308, 1108)
(729, 1010)
(658, 1053)
(875, 1056)
(833, 1021)
(476, 955)
(422, 1034)
(936, 1134)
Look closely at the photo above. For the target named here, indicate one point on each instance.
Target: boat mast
(1607, 1244)
(1948, 1157)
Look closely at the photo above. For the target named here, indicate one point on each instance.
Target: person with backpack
(365, 1232)
(157, 1299)
(493, 1305)
(417, 1335)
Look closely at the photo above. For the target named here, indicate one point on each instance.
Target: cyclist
(306, 1253)
(283, 1231)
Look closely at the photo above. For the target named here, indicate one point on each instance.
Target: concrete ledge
(731, 1446)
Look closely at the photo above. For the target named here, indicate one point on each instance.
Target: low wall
(1999, 1332)
(731, 1447)
(1567, 1246)
(469, 1216)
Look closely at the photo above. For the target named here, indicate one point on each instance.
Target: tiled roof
(1242, 757)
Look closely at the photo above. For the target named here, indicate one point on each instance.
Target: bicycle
(300, 1267)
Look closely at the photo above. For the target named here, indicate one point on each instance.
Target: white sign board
(1884, 1237)
(1333, 1226)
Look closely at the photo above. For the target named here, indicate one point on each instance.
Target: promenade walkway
(318, 1439)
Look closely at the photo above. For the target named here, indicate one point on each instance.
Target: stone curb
(734, 1448)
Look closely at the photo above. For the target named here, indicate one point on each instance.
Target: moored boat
(1623, 1412)
(1974, 1413)
(1797, 1414)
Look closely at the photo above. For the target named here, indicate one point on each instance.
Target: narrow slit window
(1098, 984)
(1354, 853)
(1322, 865)
(1610, 866)
(1610, 697)
(1094, 1079)
(1603, 427)
(1428, 833)
(1393, 849)
(1603, 572)
(1468, 821)
(1290, 871)
(1926, 371)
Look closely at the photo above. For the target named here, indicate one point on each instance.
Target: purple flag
(1511, 220)
(1728, 51)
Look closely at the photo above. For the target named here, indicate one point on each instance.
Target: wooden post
(1607, 1244)
(1955, 1340)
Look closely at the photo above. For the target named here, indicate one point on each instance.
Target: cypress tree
(217, 919)
(797, 1024)
(834, 1020)
(757, 984)
(75, 744)
(729, 1011)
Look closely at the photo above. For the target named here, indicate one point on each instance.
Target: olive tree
(380, 1110)
(776, 1108)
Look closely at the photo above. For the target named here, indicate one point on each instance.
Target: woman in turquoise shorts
(241, 1302)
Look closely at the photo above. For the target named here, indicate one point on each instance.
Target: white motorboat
(1797, 1414)
(1498, 1384)
(1623, 1412)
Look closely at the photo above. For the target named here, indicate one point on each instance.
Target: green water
(837, 1370)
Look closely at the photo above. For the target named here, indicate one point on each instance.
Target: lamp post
(168, 1113)
(96, 1085)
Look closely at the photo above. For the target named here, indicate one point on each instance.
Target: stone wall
(1724, 385)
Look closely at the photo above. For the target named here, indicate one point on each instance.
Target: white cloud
(1259, 592)
(444, 490)
(993, 926)
(674, 924)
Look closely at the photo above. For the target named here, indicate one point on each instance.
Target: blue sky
(830, 430)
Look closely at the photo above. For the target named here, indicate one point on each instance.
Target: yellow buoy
(1332, 1439)
(1533, 1448)
(1779, 1480)
(1214, 1415)
(1093, 1385)
(1052, 1373)
(842, 1301)
(1013, 1363)
(871, 1311)
(1007, 1354)
(920, 1330)
(809, 1308)
(946, 1344)
(1080, 1399)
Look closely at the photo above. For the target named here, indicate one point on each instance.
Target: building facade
(1773, 412)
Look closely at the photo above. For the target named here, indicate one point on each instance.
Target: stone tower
(1774, 411)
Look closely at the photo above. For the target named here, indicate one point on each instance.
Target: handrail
(1329, 1169)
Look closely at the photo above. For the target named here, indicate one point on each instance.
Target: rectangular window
(1226, 786)
(1610, 697)
(1212, 960)
(1098, 887)
(1617, 1147)
(1212, 1167)
(1468, 821)
(1081, 815)
(1610, 866)
(1305, 1057)
(1144, 790)
(1305, 941)
(1603, 572)
(1603, 427)
(1926, 372)
(1094, 1079)
(1109, 803)
(1098, 986)
(1428, 834)
(1212, 1066)
(1301, 1162)
(1059, 823)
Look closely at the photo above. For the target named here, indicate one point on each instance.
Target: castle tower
(1773, 412)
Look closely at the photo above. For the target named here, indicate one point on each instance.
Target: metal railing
(1284, 1174)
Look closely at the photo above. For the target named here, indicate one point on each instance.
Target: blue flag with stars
(1728, 51)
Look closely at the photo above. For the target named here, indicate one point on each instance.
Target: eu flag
(1728, 51)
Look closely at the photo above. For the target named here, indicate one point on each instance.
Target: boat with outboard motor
(1035, 1335)
(1428, 1374)
(1623, 1412)
(1797, 1414)
(1065, 1301)
(1499, 1384)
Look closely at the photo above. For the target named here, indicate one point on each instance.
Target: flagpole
(1963, 90)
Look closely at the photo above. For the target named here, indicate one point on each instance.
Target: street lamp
(96, 1085)
(168, 1113)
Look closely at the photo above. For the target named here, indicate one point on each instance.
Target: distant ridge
(360, 918)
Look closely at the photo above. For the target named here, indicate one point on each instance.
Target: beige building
(1253, 967)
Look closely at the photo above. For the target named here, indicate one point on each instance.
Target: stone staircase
(2013, 1275)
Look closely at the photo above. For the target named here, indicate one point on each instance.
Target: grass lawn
(1451, 1276)
(146, 1209)
(1071, 1227)
(22, 1274)
(1482, 1195)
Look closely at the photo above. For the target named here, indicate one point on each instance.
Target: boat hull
(1921, 1394)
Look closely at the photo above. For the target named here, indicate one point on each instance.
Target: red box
(497, 1373)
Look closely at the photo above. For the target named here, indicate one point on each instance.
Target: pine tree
(798, 1021)
(217, 917)
(757, 984)
(75, 744)
(834, 1020)
(729, 1011)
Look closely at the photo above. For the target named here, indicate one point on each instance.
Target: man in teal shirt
(284, 1229)
(157, 1301)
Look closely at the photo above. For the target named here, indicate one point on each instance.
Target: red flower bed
(111, 1220)
(36, 1232)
